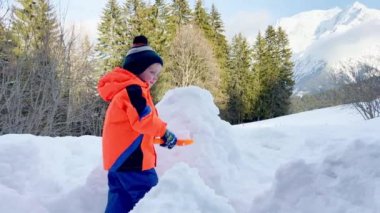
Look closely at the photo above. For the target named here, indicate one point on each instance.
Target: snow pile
(38, 172)
(182, 190)
(345, 182)
(12, 201)
(319, 161)
(214, 153)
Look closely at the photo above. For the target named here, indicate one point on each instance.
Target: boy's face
(150, 75)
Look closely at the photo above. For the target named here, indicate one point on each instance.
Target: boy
(131, 123)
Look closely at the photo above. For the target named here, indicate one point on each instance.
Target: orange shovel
(180, 142)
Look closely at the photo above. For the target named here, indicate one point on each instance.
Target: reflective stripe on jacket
(126, 129)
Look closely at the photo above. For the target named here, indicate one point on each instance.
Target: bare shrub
(364, 93)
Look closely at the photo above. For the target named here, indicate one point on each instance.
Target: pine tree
(158, 20)
(6, 45)
(149, 20)
(37, 37)
(202, 19)
(112, 44)
(136, 14)
(268, 74)
(286, 65)
(260, 70)
(273, 73)
(239, 100)
(34, 26)
(179, 14)
(218, 38)
(220, 47)
(216, 21)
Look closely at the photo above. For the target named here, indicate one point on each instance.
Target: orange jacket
(125, 130)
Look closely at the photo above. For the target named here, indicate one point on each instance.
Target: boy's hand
(170, 140)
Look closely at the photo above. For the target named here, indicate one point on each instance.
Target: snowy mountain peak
(307, 27)
(344, 20)
(357, 6)
(352, 12)
(331, 42)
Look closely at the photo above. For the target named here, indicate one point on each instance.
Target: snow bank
(344, 182)
(37, 172)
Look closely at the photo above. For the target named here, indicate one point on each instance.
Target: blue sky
(245, 16)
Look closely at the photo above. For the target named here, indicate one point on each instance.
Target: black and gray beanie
(140, 56)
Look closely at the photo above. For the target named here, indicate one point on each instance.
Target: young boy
(131, 123)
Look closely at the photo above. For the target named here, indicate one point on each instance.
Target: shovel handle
(180, 142)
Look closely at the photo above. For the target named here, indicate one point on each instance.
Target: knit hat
(140, 56)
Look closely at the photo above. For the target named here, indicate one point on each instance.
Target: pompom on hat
(140, 56)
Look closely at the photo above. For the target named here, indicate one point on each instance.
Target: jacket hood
(115, 81)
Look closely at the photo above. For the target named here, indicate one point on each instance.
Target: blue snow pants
(126, 188)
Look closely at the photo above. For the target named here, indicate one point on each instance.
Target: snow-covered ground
(324, 160)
